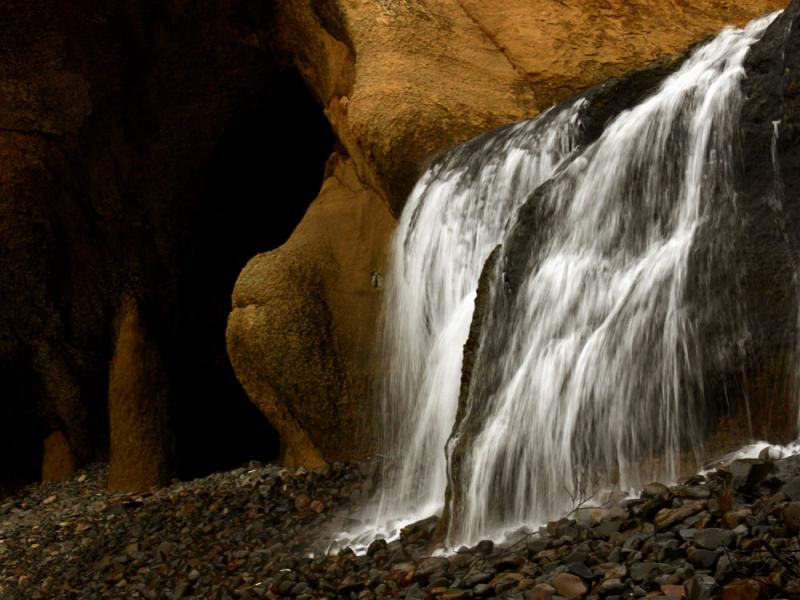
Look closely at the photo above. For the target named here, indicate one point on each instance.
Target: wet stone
(569, 586)
(612, 586)
(376, 546)
(645, 571)
(703, 559)
(579, 569)
(713, 538)
(485, 547)
(607, 528)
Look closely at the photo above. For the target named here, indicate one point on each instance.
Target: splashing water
(599, 367)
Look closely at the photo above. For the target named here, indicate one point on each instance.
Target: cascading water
(454, 217)
(590, 366)
(599, 370)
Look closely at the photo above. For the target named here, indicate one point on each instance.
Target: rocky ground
(249, 533)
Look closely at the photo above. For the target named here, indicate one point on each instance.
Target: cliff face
(148, 152)
(401, 82)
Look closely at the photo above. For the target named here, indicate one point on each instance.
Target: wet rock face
(147, 153)
(400, 83)
(748, 379)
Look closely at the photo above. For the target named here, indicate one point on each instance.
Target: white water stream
(598, 366)
(601, 368)
(456, 214)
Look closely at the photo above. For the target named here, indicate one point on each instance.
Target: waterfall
(455, 215)
(589, 354)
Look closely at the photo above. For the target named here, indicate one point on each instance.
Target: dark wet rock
(713, 538)
(703, 559)
(606, 529)
(792, 488)
(415, 591)
(430, 566)
(645, 571)
(579, 569)
(696, 492)
(748, 473)
(656, 491)
(474, 578)
(376, 546)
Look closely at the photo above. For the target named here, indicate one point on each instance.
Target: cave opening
(262, 176)
(23, 429)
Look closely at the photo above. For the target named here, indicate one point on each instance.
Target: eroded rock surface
(302, 330)
(400, 83)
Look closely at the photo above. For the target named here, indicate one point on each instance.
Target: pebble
(262, 531)
(713, 538)
(569, 586)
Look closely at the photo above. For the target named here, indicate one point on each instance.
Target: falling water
(454, 217)
(593, 362)
(600, 367)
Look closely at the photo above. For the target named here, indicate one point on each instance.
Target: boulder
(301, 335)
(746, 383)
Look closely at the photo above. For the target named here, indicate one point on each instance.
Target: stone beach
(261, 531)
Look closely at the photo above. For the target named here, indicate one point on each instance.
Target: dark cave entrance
(21, 444)
(263, 175)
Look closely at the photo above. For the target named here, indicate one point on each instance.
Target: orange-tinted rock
(301, 336)
(542, 591)
(59, 461)
(569, 586)
(674, 590)
(402, 81)
(743, 589)
(140, 434)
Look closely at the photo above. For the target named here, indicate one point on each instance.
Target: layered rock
(400, 83)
